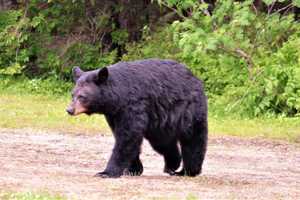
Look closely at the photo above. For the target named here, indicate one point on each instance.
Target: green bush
(87, 56)
(8, 18)
(158, 44)
(249, 61)
(49, 41)
(12, 36)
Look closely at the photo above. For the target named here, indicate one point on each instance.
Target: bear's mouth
(76, 109)
(80, 111)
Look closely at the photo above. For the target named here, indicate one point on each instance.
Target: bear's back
(160, 75)
(152, 67)
(158, 83)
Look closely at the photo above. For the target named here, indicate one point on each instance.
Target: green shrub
(44, 42)
(249, 61)
(158, 44)
(88, 56)
(8, 18)
(12, 36)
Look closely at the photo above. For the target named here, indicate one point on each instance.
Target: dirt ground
(65, 164)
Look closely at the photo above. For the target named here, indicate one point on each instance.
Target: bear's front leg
(128, 129)
(126, 149)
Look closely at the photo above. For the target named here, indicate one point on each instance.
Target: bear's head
(89, 94)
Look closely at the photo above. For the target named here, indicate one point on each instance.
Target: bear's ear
(102, 75)
(77, 72)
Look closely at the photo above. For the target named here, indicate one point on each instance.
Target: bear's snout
(76, 108)
(70, 110)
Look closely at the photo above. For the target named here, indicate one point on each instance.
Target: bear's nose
(70, 111)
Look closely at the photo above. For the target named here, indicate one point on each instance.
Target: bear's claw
(106, 175)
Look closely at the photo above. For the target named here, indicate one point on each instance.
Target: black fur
(159, 100)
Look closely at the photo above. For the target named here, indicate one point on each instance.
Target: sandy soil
(65, 164)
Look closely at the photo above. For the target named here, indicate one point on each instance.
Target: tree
(8, 4)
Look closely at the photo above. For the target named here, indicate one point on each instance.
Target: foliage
(12, 36)
(8, 18)
(156, 45)
(249, 61)
(293, 2)
(49, 38)
(119, 36)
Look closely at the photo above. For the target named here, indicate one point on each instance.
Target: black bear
(159, 100)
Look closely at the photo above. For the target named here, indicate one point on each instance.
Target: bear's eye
(82, 98)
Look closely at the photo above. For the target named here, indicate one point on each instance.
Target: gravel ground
(64, 164)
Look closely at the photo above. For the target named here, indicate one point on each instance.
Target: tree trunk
(8, 4)
(125, 15)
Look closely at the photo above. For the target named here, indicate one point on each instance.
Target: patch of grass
(45, 112)
(29, 196)
(191, 197)
(274, 128)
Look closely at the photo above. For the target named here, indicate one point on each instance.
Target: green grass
(274, 128)
(29, 196)
(47, 112)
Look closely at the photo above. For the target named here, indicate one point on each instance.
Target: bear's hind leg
(193, 153)
(135, 169)
(171, 155)
(172, 158)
